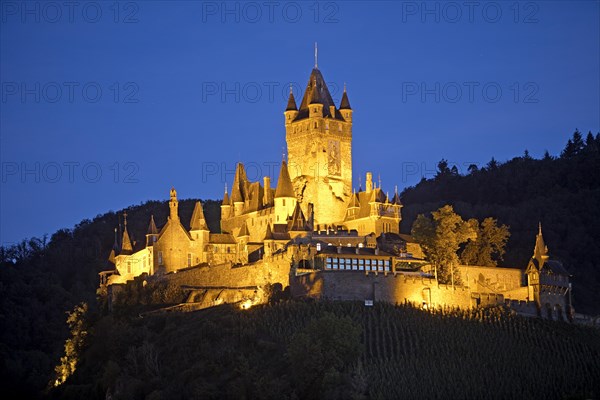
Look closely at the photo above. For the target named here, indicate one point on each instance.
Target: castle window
(189, 260)
(160, 258)
(319, 247)
(128, 267)
(316, 125)
(284, 202)
(361, 264)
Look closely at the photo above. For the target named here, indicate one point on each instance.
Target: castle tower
(173, 206)
(199, 231)
(285, 198)
(319, 144)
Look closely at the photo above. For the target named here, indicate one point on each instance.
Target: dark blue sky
(106, 106)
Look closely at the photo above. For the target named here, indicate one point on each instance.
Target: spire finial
(540, 228)
(125, 218)
(316, 56)
(344, 87)
(379, 179)
(291, 91)
(225, 187)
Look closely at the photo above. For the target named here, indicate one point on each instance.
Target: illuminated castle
(313, 234)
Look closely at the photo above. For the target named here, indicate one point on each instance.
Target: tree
(441, 237)
(73, 345)
(443, 169)
(488, 248)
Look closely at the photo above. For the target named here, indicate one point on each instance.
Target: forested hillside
(335, 350)
(41, 279)
(563, 193)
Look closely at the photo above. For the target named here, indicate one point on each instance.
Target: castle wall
(275, 269)
(256, 221)
(494, 279)
(350, 285)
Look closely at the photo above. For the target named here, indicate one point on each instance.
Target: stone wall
(393, 288)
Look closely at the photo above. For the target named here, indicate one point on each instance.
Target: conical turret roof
(152, 227)
(345, 103)
(291, 105)
(198, 222)
(284, 183)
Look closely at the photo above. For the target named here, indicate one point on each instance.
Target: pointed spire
(291, 105)
(226, 201)
(198, 222)
(540, 251)
(152, 227)
(345, 103)
(126, 247)
(284, 183)
(316, 56)
(115, 249)
(238, 190)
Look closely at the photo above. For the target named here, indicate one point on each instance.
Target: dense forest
(562, 192)
(335, 350)
(42, 279)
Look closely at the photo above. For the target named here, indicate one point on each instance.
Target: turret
(291, 111)
(238, 190)
(152, 233)
(345, 108)
(285, 198)
(173, 206)
(225, 205)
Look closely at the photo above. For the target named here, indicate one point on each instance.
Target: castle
(312, 233)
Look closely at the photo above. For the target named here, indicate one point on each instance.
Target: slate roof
(221, 238)
(317, 92)
(284, 183)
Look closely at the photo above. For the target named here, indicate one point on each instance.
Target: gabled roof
(298, 221)
(221, 238)
(244, 230)
(284, 183)
(354, 202)
(198, 222)
(317, 92)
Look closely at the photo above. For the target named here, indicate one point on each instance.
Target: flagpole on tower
(316, 56)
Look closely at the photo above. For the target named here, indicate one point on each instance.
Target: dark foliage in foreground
(337, 350)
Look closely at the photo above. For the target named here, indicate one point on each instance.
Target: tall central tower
(319, 144)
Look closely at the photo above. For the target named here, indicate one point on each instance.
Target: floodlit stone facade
(313, 234)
